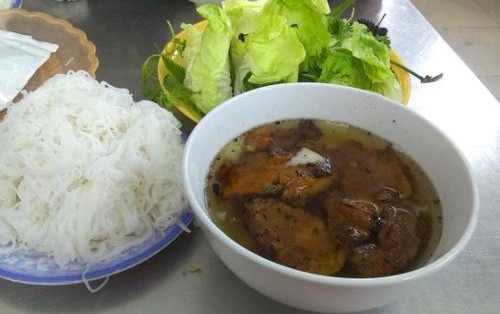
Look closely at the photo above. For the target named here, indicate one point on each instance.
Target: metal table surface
(126, 31)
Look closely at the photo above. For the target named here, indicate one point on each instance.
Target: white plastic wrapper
(20, 57)
(5, 4)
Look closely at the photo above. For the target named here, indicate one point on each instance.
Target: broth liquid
(228, 213)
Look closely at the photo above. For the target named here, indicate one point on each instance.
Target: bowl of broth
(328, 198)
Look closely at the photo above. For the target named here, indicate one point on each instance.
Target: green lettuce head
(206, 59)
(270, 54)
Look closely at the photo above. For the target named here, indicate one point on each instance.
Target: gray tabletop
(127, 31)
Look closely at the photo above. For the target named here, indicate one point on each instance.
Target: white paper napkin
(5, 4)
(20, 57)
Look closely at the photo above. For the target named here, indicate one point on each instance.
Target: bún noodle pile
(86, 172)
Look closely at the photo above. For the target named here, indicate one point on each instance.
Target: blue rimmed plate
(38, 269)
(16, 4)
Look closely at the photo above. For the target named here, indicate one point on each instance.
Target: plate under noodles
(37, 269)
(144, 214)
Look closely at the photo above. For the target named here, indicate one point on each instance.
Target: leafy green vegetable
(176, 90)
(341, 8)
(365, 47)
(249, 86)
(375, 57)
(274, 50)
(271, 36)
(384, 39)
(271, 54)
(250, 44)
(390, 88)
(240, 65)
(310, 23)
(207, 70)
(150, 85)
(341, 67)
(149, 82)
(179, 44)
(174, 69)
(242, 14)
(178, 93)
(322, 6)
(272, 189)
(356, 57)
(380, 33)
(339, 29)
(193, 44)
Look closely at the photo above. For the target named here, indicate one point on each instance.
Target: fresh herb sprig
(380, 33)
(150, 85)
(341, 8)
(173, 82)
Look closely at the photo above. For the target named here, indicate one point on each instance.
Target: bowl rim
(204, 219)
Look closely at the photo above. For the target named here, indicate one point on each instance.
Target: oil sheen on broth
(324, 197)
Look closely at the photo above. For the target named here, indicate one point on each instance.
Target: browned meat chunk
(370, 170)
(399, 233)
(368, 260)
(263, 174)
(309, 131)
(350, 221)
(397, 246)
(274, 139)
(252, 176)
(260, 138)
(293, 237)
(386, 193)
(299, 183)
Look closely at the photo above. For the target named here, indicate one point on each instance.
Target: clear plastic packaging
(20, 57)
(5, 4)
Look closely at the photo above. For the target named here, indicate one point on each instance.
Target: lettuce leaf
(249, 44)
(375, 57)
(341, 67)
(240, 65)
(355, 58)
(373, 53)
(339, 29)
(284, 33)
(308, 18)
(322, 6)
(337, 12)
(271, 54)
(193, 44)
(242, 14)
(275, 51)
(206, 59)
(390, 89)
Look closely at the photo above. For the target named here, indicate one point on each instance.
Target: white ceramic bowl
(428, 146)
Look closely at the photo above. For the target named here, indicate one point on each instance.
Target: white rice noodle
(89, 287)
(85, 172)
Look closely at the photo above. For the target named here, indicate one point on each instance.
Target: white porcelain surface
(437, 155)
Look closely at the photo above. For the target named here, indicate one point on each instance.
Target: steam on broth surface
(324, 197)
